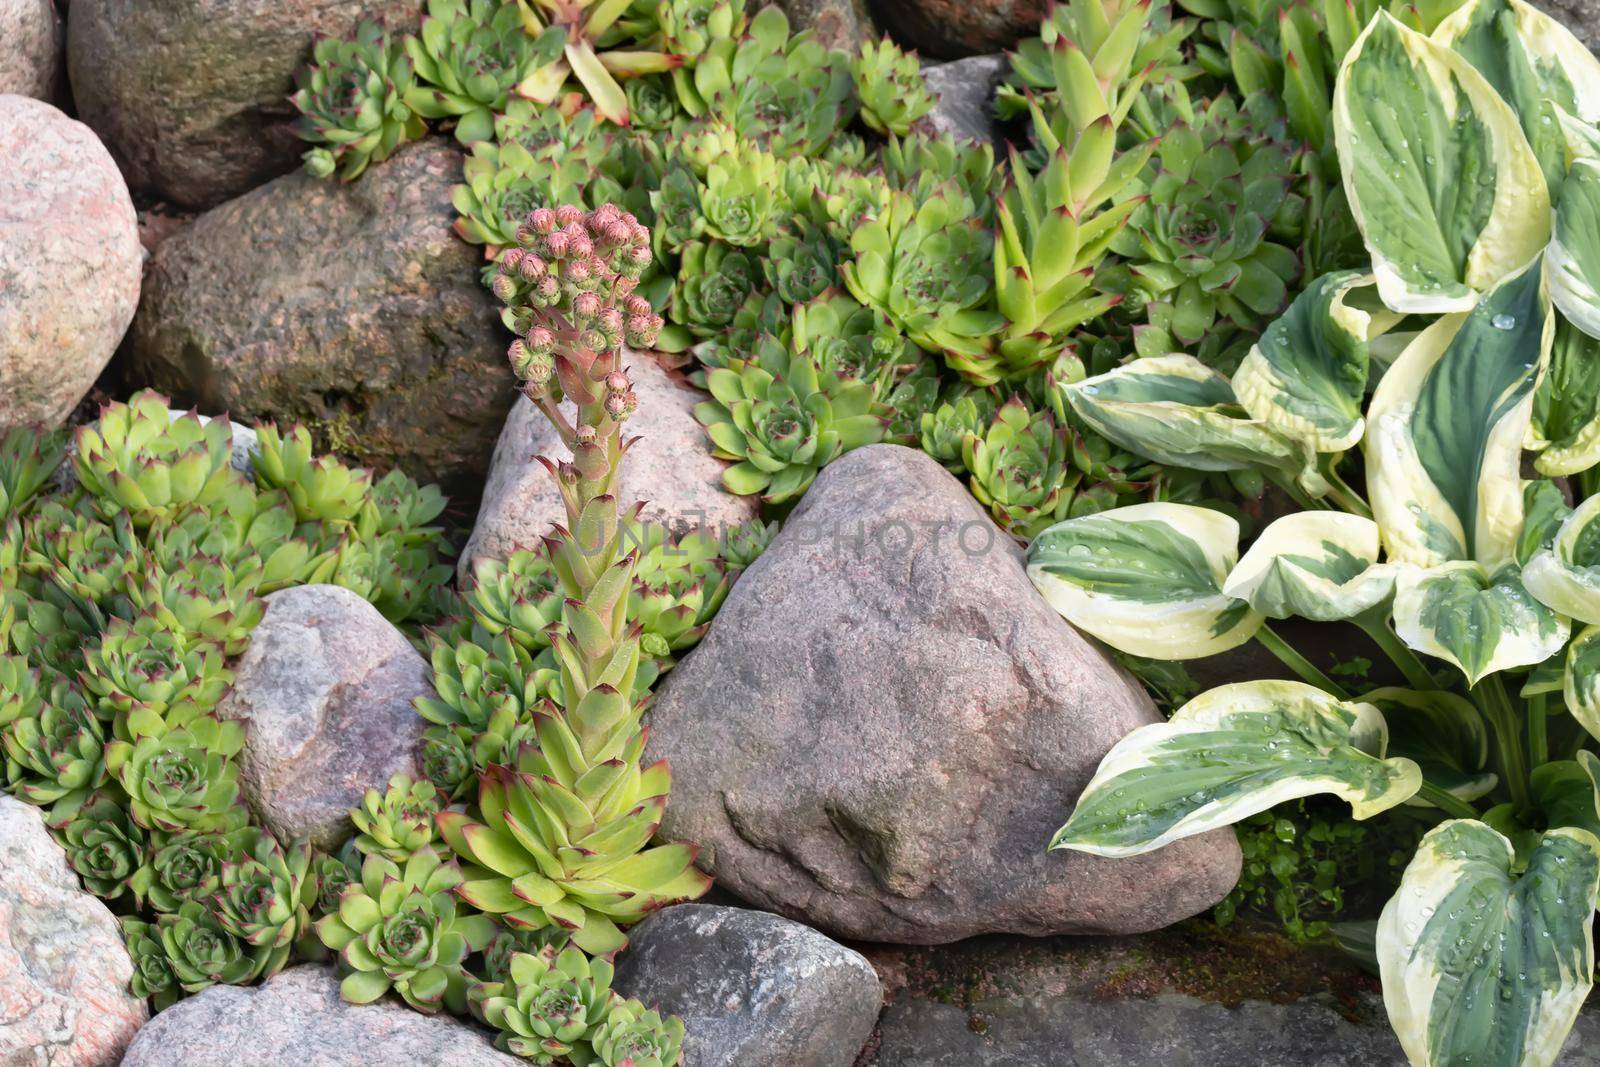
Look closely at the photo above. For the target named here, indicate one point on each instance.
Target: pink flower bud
(541, 340)
(569, 214)
(503, 288)
(517, 356)
(618, 233)
(617, 382)
(542, 219)
(586, 435)
(557, 244)
(548, 288)
(617, 405)
(510, 260)
(576, 270)
(586, 305)
(538, 370)
(579, 244)
(611, 320)
(640, 255)
(531, 267)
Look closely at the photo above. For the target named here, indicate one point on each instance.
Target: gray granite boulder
(296, 1019)
(353, 309)
(886, 723)
(964, 94)
(30, 48)
(325, 690)
(64, 972)
(69, 261)
(192, 96)
(754, 990)
(670, 468)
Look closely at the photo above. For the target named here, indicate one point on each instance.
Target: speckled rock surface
(351, 308)
(30, 48)
(69, 261)
(1170, 1030)
(886, 723)
(840, 24)
(670, 468)
(64, 973)
(191, 96)
(754, 990)
(964, 91)
(949, 29)
(296, 1019)
(325, 690)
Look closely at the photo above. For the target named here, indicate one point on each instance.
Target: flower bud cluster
(569, 284)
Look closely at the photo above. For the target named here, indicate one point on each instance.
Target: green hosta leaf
(1320, 565)
(1564, 791)
(1176, 410)
(1482, 624)
(1228, 754)
(1535, 64)
(1447, 193)
(1544, 510)
(1146, 579)
(1573, 260)
(1307, 376)
(1566, 574)
(1581, 683)
(1443, 733)
(1445, 430)
(1565, 428)
(1483, 966)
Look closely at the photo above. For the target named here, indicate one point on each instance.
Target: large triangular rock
(886, 723)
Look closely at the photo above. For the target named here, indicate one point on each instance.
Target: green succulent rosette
(352, 102)
(103, 846)
(184, 779)
(714, 280)
(397, 822)
(201, 953)
(891, 87)
(28, 459)
(55, 758)
(634, 1035)
(548, 1004)
(153, 976)
(469, 57)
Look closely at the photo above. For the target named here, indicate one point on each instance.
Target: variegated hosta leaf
(1573, 260)
(1447, 193)
(1581, 684)
(1482, 624)
(1320, 565)
(1564, 792)
(1176, 410)
(1544, 509)
(1307, 376)
(1228, 754)
(1566, 575)
(1146, 579)
(1565, 428)
(1443, 733)
(1535, 64)
(1445, 430)
(1481, 966)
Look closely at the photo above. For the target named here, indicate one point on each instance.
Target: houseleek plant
(1482, 585)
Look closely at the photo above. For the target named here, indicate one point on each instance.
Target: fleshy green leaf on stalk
(1320, 565)
(1481, 962)
(1146, 579)
(1573, 259)
(1580, 684)
(1229, 754)
(1446, 425)
(1447, 192)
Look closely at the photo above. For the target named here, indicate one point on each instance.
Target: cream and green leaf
(1566, 574)
(1446, 425)
(1229, 754)
(1443, 734)
(1320, 565)
(1177, 411)
(1482, 965)
(1480, 622)
(1307, 376)
(1573, 260)
(1146, 579)
(1565, 427)
(1580, 686)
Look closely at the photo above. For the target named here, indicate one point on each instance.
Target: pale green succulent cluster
(890, 84)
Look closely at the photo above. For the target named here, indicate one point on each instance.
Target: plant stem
(1298, 495)
(1448, 803)
(1375, 626)
(1340, 492)
(1538, 735)
(1492, 700)
(1307, 670)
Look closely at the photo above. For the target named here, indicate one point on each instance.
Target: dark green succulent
(469, 56)
(28, 459)
(184, 779)
(447, 760)
(678, 585)
(201, 953)
(891, 87)
(186, 867)
(399, 928)
(153, 977)
(508, 941)
(713, 282)
(487, 691)
(548, 1005)
(742, 545)
(56, 758)
(652, 102)
(264, 896)
(781, 420)
(397, 822)
(201, 601)
(352, 100)
(139, 461)
(332, 876)
(104, 846)
(803, 265)
(850, 342)
(911, 397)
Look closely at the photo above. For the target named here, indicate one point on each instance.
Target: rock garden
(625, 533)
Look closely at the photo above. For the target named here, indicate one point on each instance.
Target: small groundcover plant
(1406, 406)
